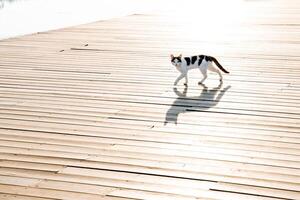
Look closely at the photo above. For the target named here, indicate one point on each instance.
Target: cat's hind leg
(204, 73)
(214, 69)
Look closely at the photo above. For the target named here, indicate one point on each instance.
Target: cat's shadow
(207, 99)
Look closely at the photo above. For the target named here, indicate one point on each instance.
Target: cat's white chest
(179, 68)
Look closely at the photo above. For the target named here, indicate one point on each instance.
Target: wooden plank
(48, 193)
(173, 139)
(169, 149)
(102, 142)
(10, 180)
(192, 171)
(21, 197)
(139, 159)
(135, 185)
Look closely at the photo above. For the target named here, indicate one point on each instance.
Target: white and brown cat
(202, 62)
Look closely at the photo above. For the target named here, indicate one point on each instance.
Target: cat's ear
(172, 56)
(180, 56)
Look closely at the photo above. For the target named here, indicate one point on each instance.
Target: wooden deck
(90, 112)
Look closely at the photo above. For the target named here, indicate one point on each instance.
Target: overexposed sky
(28, 16)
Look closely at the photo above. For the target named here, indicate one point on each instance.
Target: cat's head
(176, 60)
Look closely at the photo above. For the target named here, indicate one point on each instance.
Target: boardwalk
(90, 112)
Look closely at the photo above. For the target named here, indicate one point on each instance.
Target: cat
(202, 62)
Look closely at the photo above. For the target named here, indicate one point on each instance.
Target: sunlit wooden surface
(90, 112)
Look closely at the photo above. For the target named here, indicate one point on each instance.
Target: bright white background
(28, 16)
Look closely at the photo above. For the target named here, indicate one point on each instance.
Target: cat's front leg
(186, 80)
(179, 78)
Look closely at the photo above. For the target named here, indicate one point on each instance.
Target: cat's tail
(219, 65)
